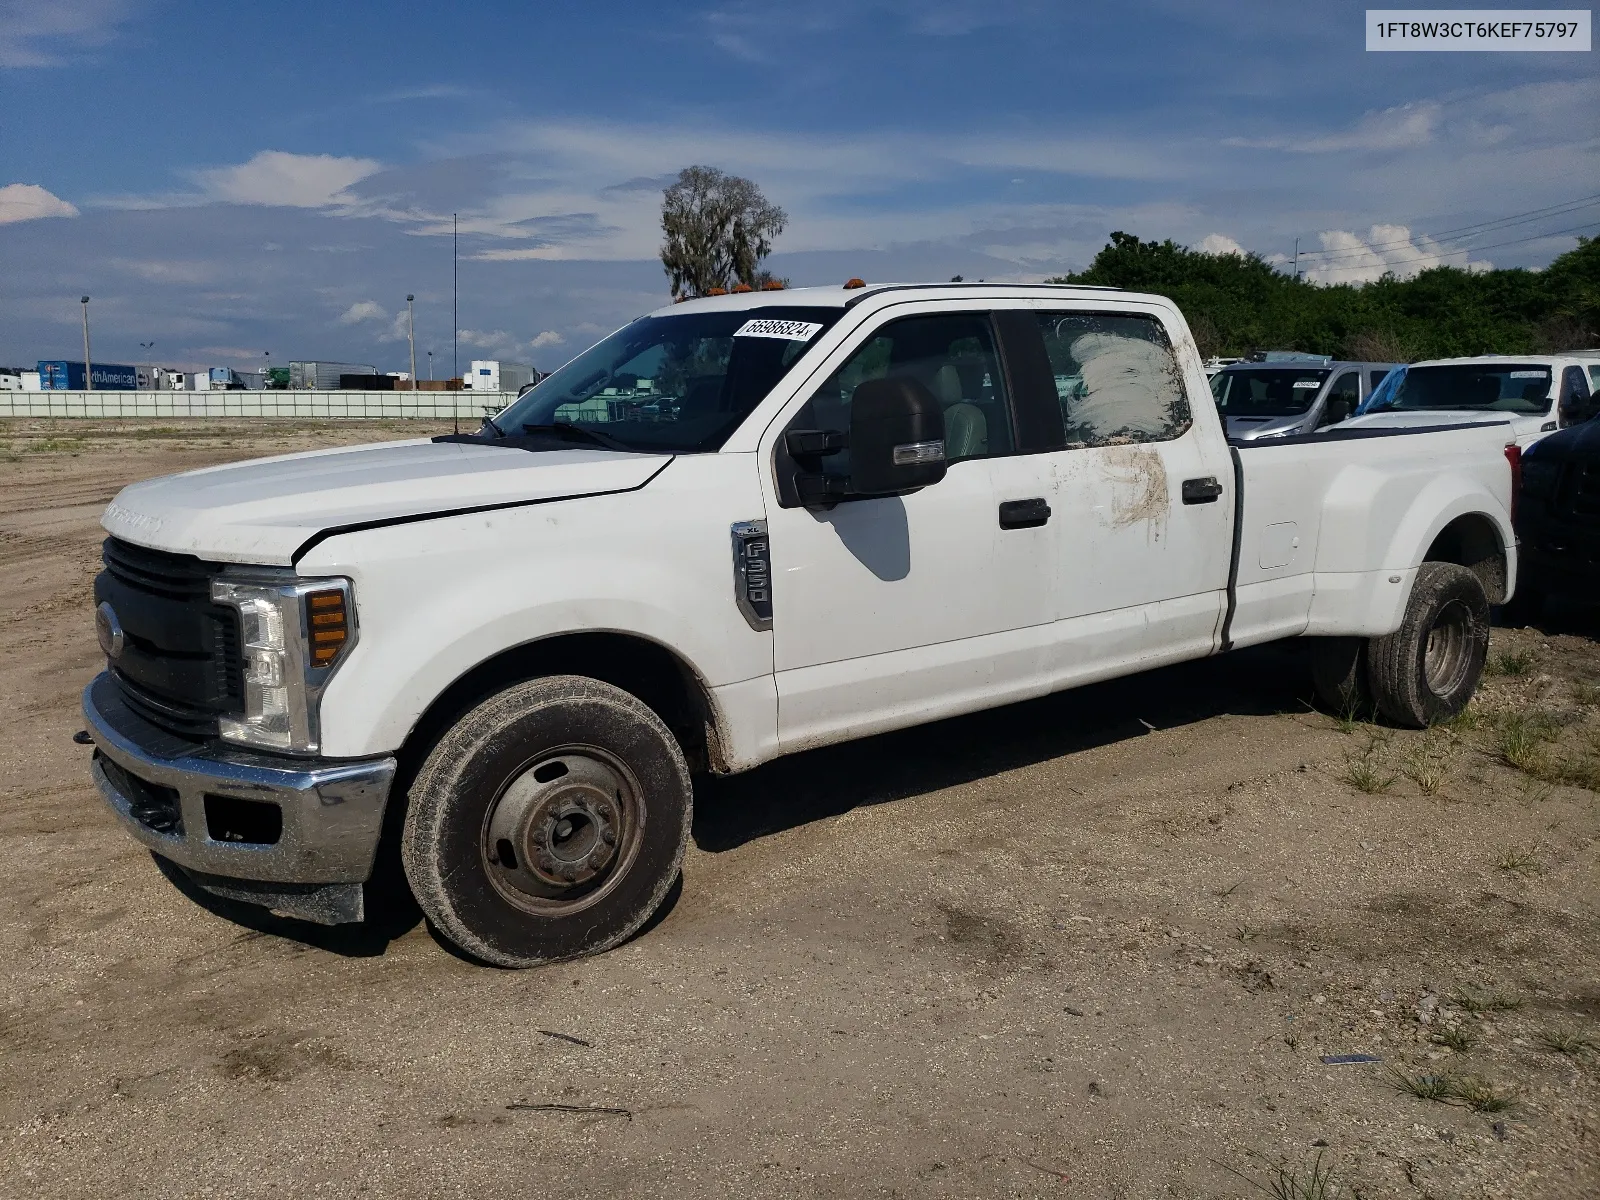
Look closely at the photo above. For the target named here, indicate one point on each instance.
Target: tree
(719, 227)
(1239, 303)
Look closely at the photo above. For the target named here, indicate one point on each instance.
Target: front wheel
(548, 823)
(1427, 670)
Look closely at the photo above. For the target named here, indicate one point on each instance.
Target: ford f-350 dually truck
(737, 528)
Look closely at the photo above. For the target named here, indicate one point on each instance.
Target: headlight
(294, 633)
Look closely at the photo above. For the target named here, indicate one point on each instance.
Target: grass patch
(1586, 693)
(1477, 1000)
(1481, 1096)
(1425, 767)
(1521, 739)
(1514, 663)
(1313, 1181)
(53, 445)
(1423, 1087)
(1246, 934)
(1366, 775)
(1469, 720)
(1455, 1037)
(1563, 1041)
(1521, 862)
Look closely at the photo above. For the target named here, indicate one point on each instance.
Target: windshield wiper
(579, 433)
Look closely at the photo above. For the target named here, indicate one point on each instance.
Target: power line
(1497, 245)
(1461, 232)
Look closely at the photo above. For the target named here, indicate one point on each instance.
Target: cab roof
(848, 297)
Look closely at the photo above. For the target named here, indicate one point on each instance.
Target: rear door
(1143, 496)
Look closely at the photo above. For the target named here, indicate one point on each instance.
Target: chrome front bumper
(332, 812)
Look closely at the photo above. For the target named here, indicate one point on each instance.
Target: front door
(894, 610)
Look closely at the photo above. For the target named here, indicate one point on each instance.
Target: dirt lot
(1088, 946)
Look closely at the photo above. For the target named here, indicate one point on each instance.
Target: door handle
(1201, 491)
(1024, 514)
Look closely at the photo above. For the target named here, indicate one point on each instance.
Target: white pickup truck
(1536, 394)
(737, 528)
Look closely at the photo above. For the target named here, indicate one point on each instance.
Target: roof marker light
(854, 283)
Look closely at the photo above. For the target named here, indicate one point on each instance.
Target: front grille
(151, 804)
(181, 666)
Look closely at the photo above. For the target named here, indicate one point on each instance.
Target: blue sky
(229, 179)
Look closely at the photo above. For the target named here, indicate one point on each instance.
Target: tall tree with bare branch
(719, 227)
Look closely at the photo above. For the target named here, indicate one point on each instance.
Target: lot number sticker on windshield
(789, 331)
(1307, 383)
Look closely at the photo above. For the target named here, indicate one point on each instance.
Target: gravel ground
(1095, 945)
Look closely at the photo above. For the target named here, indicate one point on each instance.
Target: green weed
(1476, 1000)
(1423, 1087)
(1313, 1181)
(1510, 662)
(1456, 1037)
(1481, 1096)
(1564, 1041)
(1521, 862)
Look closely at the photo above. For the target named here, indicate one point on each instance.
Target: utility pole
(149, 363)
(455, 295)
(88, 371)
(411, 336)
(1297, 258)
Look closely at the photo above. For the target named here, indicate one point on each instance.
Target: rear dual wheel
(549, 822)
(1424, 672)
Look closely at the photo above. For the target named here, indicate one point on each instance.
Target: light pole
(88, 371)
(430, 366)
(411, 335)
(266, 369)
(149, 363)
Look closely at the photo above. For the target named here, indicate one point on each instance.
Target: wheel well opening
(640, 667)
(1472, 541)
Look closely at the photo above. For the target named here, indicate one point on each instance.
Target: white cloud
(1399, 128)
(363, 311)
(1220, 243)
(548, 337)
(30, 202)
(34, 33)
(275, 177)
(1386, 249)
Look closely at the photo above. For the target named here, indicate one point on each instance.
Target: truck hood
(1247, 429)
(262, 512)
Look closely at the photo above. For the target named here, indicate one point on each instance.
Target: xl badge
(752, 573)
(109, 630)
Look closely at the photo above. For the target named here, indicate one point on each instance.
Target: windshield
(1500, 387)
(678, 383)
(1282, 392)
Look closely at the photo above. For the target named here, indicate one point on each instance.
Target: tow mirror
(896, 437)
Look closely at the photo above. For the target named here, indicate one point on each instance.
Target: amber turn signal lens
(329, 624)
(854, 283)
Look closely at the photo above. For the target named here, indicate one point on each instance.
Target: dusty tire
(1339, 676)
(548, 823)
(1427, 670)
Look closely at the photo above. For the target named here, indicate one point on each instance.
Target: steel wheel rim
(563, 831)
(1448, 655)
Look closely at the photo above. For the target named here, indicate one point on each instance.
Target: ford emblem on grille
(109, 630)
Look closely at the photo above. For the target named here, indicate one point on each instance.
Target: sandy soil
(1088, 946)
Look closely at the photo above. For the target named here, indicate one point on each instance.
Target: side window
(1575, 400)
(1375, 378)
(1343, 397)
(1116, 377)
(953, 357)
